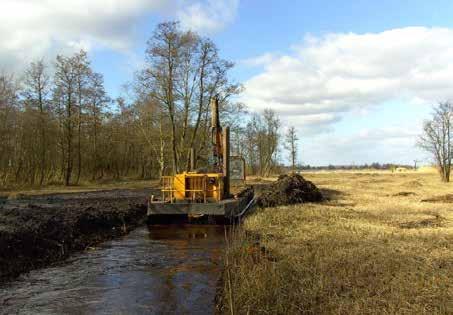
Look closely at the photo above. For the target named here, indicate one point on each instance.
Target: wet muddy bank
(38, 231)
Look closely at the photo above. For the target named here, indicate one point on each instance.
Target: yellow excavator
(195, 194)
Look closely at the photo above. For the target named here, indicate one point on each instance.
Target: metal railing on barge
(191, 188)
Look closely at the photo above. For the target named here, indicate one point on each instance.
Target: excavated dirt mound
(288, 189)
(41, 230)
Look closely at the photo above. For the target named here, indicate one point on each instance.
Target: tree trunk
(43, 138)
(69, 143)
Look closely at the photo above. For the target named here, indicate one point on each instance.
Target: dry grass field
(381, 244)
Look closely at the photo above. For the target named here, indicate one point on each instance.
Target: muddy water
(153, 270)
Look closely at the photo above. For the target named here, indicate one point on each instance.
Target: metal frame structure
(195, 188)
(201, 193)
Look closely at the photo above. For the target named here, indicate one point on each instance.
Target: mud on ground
(40, 230)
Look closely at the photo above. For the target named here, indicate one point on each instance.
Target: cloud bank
(35, 28)
(327, 76)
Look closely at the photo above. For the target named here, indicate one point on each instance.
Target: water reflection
(155, 270)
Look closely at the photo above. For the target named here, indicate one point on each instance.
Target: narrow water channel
(153, 270)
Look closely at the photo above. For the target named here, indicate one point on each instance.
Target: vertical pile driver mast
(203, 187)
(216, 137)
(220, 146)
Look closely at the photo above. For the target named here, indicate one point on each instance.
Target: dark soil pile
(36, 234)
(288, 189)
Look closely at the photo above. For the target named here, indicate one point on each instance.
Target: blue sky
(356, 78)
(277, 25)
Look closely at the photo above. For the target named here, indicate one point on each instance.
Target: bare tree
(65, 96)
(183, 72)
(97, 101)
(82, 71)
(437, 138)
(291, 145)
(36, 90)
(163, 55)
(262, 142)
(269, 141)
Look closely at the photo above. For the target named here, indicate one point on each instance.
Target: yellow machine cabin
(193, 187)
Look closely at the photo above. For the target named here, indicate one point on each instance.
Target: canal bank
(36, 231)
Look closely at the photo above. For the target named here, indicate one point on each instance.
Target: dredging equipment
(196, 194)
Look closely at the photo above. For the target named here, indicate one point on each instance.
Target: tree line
(365, 166)
(50, 124)
(58, 125)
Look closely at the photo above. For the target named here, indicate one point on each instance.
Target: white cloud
(31, 29)
(337, 73)
(385, 134)
(312, 124)
(262, 60)
(207, 16)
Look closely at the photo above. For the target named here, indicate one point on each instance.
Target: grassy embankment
(375, 247)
